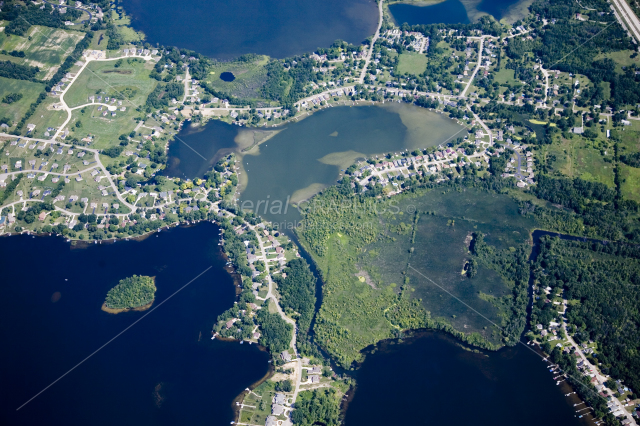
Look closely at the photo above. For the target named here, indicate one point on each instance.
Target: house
(285, 356)
(277, 409)
(316, 370)
(314, 379)
(271, 421)
(42, 216)
(280, 399)
(229, 323)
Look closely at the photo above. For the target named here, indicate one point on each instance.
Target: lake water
(197, 148)
(279, 28)
(431, 380)
(165, 370)
(449, 11)
(307, 156)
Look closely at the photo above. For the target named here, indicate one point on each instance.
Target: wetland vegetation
(402, 246)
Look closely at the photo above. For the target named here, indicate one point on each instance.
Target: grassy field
(44, 47)
(129, 82)
(578, 157)
(505, 76)
(249, 77)
(630, 182)
(104, 129)
(622, 58)
(412, 63)
(629, 143)
(46, 116)
(29, 91)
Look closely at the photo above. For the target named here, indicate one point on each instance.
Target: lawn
(128, 82)
(505, 76)
(44, 47)
(412, 63)
(29, 91)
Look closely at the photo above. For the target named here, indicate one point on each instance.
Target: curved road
(72, 7)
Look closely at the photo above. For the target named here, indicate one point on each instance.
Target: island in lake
(135, 293)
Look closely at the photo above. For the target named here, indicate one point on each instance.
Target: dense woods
(602, 285)
(131, 292)
(512, 265)
(23, 17)
(276, 332)
(164, 93)
(320, 406)
(10, 69)
(297, 293)
(595, 209)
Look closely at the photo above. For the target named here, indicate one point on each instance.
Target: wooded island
(133, 293)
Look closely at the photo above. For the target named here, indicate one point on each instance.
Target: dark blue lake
(432, 380)
(278, 28)
(447, 12)
(450, 11)
(164, 370)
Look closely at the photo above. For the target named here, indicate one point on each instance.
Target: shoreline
(115, 311)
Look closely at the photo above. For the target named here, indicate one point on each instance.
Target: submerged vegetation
(130, 293)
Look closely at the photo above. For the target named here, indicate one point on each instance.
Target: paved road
(632, 21)
(373, 42)
(601, 378)
(271, 295)
(475, 71)
(72, 7)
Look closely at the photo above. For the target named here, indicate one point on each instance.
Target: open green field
(412, 63)
(46, 116)
(44, 47)
(104, 129)
(630, 182)
(128, 82)
(505, 76)
(622, 58)
(249, 77)
(580, 158)
(29, 91)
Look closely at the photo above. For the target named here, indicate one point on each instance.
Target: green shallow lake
(306, 156)
(309, 155)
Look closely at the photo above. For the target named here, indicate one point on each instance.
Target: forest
(10, 69)
(164, 93)
(597, 210)
(602, 285)
(131, 292)
(23, 17)
(319, 406)
(297, 294)
(276, 332)
(512, 265)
